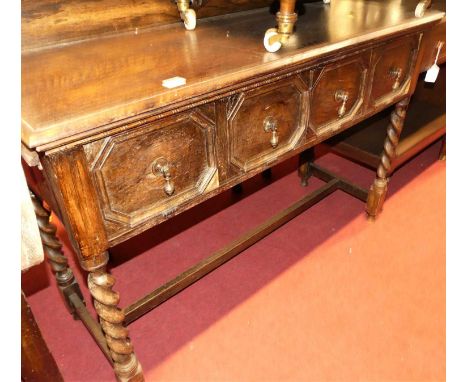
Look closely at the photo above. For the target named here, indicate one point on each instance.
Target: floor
(329, 296)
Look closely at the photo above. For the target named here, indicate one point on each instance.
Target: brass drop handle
(270, 125)
(341, 96)
(161, 167)
(396, 73)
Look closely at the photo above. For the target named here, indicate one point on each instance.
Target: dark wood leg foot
(376, 198)
(305, 159)
(378, 190)
(126, 366)
(53, 251)
(442, 154)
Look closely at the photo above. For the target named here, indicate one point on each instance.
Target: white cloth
(32, 252)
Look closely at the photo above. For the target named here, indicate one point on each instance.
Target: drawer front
(392, 66)
(337, 94)
(150, 171)
(432, 40)
(266, 122)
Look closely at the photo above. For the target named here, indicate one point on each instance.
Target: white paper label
(432, 74)
(174, 82)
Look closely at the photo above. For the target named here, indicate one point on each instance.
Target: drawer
(150, 171)
(337, 94)
(432, 40)
(266, 122)
(392, 68)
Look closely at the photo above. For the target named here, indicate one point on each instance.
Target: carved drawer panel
(150, 171)
(434, 39)
(392, 67)
(266, 122)
(337, 92)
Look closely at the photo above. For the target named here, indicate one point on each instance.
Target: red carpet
(329, 296)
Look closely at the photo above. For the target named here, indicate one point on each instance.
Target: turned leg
(111, 317)
(305, 158)
(286, 19)
(126, 366)
(442, 154)
(54, 254)
(378, 190)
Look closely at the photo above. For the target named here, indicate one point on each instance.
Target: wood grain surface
(73, 91)
(68, 176)
(52, 22)
(37, 363)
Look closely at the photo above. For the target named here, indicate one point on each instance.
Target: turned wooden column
(54, 254)
(286, 17)
(111, 317)
(378, 190)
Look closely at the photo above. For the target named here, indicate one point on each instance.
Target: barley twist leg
(111, 317)
(53, 251)
(378, 190)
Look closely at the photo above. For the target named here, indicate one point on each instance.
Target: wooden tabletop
(79, 89)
